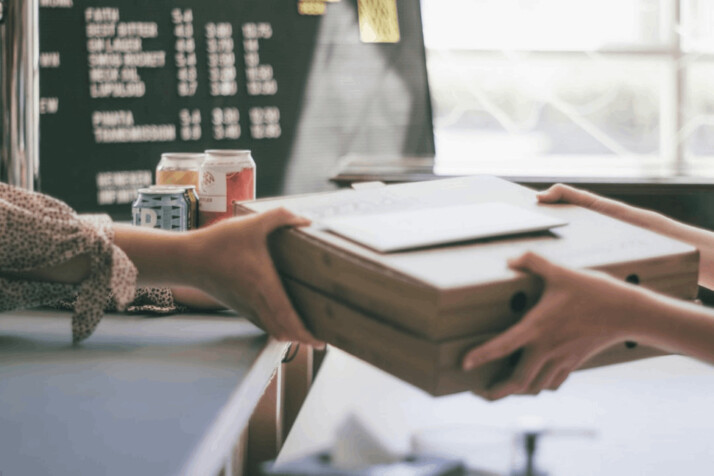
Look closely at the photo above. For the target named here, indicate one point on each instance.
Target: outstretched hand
(700, 238)
(235, 267)
(579, 314)
(606, 206)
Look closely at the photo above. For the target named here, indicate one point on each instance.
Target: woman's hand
(606, 206)
(227, 262)
(701, 239)
(579, 314)
(230, 261)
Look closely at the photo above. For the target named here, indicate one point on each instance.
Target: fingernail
(498, 394)
(513, 263)
(470, 365)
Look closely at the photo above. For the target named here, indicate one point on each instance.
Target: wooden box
(446, 299)
(433, 366)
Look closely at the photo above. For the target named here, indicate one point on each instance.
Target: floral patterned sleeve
(37, 231)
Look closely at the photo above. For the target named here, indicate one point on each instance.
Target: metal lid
(183, 155)
(228, 152)
(165, 189)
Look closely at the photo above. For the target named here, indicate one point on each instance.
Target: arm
(73, 271)
(582, 313)
(228, 261)
(702, 239)
(147, 248)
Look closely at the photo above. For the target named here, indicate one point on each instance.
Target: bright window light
(607, 88)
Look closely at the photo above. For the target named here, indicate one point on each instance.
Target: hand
(232, 264)
(579, 314)
(703, 240)
(612, 208)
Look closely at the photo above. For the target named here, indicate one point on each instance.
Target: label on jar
(213, 191)
(177, 177)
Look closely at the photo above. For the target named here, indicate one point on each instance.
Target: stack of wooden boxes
(416, 313)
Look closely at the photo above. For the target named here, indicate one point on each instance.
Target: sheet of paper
(409, 229)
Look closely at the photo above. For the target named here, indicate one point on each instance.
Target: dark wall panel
(122, 82)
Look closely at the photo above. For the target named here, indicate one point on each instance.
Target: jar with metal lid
(226, 176)
(179, 168)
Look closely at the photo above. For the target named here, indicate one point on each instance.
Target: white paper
(408, 229)
(212, 191)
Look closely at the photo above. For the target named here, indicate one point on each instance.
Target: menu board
(123, 82)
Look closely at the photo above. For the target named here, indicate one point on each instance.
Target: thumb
(280, 217)
(554, 194)
(536, 264)
(567, 194)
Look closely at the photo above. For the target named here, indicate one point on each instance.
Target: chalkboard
(123, 82)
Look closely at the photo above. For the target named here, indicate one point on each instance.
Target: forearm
(674, 326)
(161, 257)
(73, 271)
(702, 239)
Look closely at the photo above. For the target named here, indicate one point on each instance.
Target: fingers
(240, 271)
(277, 314)
(606, 206)
(521, 381)
(544, 376)
(534, 263)
(500, 346)
(535, 372)
(270, 301)
(558, 379)
(564, 193)
(280, 217)
(552, 375)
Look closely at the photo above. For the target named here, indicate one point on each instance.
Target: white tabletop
(156, 396)
(652, 417)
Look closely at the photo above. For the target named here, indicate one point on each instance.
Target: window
(597, 88)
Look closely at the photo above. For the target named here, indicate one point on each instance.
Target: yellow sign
(378, 21)
(311, 7)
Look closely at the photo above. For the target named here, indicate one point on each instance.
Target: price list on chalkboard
(299, 85)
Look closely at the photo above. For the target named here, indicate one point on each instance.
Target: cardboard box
(435, 367)
(415, 313)
(465, 289)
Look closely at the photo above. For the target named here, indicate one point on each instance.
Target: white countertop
(652, 417)
(167, 395)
